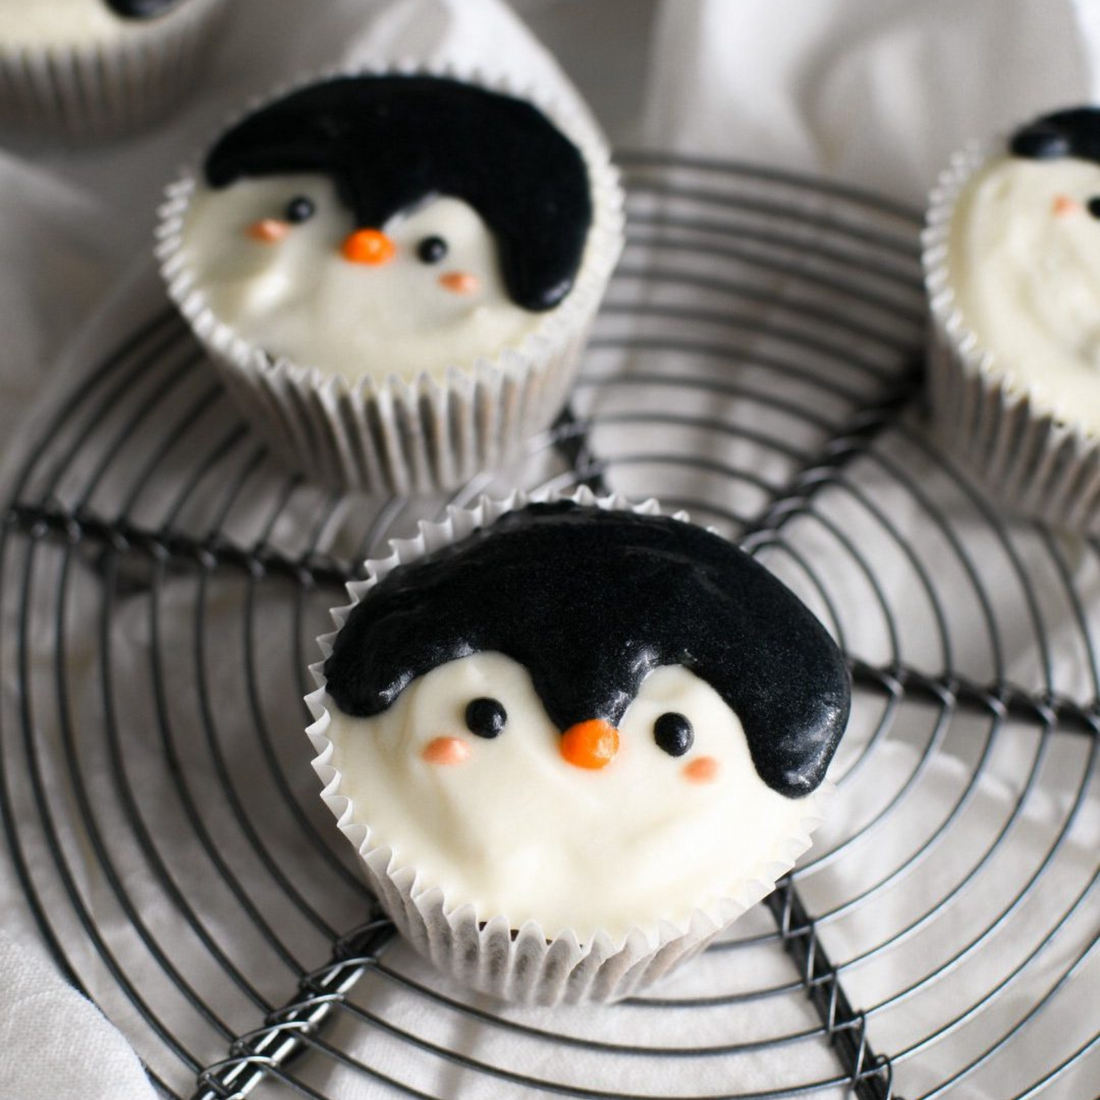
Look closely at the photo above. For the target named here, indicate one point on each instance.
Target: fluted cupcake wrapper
(487, 952)
(1032, 462)
(91, 90)
(383, 433)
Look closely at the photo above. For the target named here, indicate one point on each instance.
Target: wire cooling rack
(757, 363)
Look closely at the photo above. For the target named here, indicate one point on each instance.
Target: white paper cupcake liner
(523, 964)
(92, 89)
(385, 433)
(1027, 458)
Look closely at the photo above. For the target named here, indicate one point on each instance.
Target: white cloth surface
(873, 92)
(87, 1057)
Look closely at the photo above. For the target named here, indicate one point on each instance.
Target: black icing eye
(673, 733)
(1093, 206)
(299, 209)
(431, 250)
(486, 717)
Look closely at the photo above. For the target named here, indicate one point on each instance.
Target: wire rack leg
(286, 1030)
(870, 1074)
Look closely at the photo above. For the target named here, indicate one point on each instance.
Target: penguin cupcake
(1012, 263)
(97, 68)
(573, 741)
(396, 272)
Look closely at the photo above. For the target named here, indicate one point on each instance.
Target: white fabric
(876, 94)
(86, 1057)
(873, 92)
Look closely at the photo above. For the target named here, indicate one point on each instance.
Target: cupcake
(573, 741)
(1012, 263)
(396, 272)
(96, 68)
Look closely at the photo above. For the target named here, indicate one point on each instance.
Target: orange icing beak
(368, 246)
(268, 230)
(592, 744)
(446, 751)
(460, 282)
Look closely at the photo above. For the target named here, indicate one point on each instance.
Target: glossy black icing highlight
(141, 9)
(1072, 133)
(590, 602)
(391, 142)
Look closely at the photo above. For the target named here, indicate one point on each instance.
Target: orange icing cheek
(445, 750)
(460, 282)
(703, 769)
(1064, 205)
(268, 230)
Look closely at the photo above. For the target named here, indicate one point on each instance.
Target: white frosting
(516, 831)
(299, 297)
(45, 22)
(1024, 262)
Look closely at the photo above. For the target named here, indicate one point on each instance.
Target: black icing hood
(590, 602)
(141, 9)
(1072, 133)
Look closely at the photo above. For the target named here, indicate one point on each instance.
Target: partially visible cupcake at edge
(1012, 267)
(396, 272)
(572, 741)
(90, 69)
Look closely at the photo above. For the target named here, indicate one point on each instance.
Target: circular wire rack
(757, 363)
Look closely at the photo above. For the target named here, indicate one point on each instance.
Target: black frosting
(590, 602)
(140, 9)
(1072, 133)
(390, 142)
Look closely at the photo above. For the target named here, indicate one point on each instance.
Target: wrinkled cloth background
(873, 92)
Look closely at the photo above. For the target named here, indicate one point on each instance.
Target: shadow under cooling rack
(756, 363)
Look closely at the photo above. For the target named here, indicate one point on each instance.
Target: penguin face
(453, 217)
(504, 819)
(590, 718)
(1025, 254)
(1023, 261)
(281, 260)
(591, 602)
